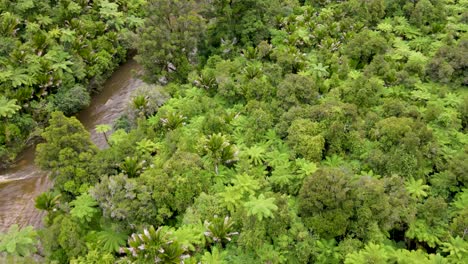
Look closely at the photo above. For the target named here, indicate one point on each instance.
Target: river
(20, 184)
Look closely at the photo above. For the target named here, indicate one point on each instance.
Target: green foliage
(255, 155)
(57, 53)
(372, 253)
(218, 149)
(170, 37)
(84, 208)
(190, 237)
(338, 127)
(305, 140)
(103, 128)
(132, 167)
(8, 107)
(456, 248)
(153, 245)
(214, 257)
(111, 241)
(67, 152)
(70, 101)
(18, 242)
(219, 230)
(327, 251)
(261, 207)
(47, 201)
(416, 188)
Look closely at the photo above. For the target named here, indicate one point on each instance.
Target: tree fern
(421, 44)
(372, 253)
(327, 251)
(103, 128)
(416, 188)
(214, 257)
(84, 208)
(111, 241)
(146, 146)
(457, 249)
(333, 161)
(385, 26)
(277, 158)
(261, 207)
(8, 107)
(255, 154)
(18, 242)
(245, 184)
(420, 231)
(282, 178)
(230, 198)
(190, 237)
(461, 202)
(305, 168)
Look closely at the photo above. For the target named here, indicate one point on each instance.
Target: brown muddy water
(20, 184)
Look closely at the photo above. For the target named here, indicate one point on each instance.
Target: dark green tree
(170, 39)
(67, 153)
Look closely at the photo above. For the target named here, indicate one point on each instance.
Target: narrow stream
(20, 184)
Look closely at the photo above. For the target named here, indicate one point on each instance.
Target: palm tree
(47, 201)
(252, 70)
(219, 150)
(173, 120)
(8, 24)
(140, 103)
(219, 230)
(154, 246)
(132, 167)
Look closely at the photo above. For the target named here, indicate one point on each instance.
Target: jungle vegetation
(53, 55)
(294, 132)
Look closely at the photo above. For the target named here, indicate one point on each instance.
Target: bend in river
(20, 184)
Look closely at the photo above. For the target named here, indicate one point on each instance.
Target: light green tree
(8, 107)
(261, 207)
(104, 128)
(18, 242)
(416, 188)
(84, 208)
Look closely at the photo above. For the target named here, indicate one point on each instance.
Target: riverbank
(20, 184)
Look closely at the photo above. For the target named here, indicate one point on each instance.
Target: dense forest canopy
(294, 132)
(53, 54)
